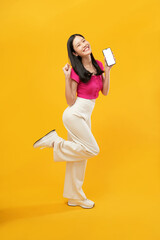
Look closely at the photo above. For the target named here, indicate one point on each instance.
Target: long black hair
(76, 61)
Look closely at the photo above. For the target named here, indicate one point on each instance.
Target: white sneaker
(47, 140)
(86, 203)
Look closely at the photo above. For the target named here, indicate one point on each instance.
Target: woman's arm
(70, 90)
(70, 86)
(106, 82)
(106, 78)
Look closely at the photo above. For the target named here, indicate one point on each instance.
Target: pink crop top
(89, 90)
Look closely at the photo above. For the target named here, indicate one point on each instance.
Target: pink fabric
(91, 89)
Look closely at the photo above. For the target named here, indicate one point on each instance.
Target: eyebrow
(79, 41)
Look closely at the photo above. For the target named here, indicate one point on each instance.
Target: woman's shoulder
(98, 61)
(74, 75)
(100, 64)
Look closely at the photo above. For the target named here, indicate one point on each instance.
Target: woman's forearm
(68, 91)
(106, 82)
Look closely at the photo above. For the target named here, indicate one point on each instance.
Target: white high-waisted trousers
(79, 146)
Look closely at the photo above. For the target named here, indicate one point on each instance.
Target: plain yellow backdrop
(124, 179)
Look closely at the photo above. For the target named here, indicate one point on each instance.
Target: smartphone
(109, 56)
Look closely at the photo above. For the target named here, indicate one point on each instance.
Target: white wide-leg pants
(79, 146)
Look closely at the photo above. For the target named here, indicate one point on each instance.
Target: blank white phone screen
(109, 56)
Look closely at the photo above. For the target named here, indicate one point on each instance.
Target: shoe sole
(80, 205)
(44, 136)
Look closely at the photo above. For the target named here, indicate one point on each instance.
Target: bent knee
(97, 150)
(94, 151)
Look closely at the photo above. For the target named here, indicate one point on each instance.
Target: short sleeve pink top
(89, 90)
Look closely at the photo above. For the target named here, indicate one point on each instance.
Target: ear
(76, 54)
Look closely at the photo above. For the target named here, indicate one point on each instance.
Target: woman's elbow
(71, 101)
(105, 93)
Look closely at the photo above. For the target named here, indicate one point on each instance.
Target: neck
(87, 61)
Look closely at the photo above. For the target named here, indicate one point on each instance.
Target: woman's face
(81, 46)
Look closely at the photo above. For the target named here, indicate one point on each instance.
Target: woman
(82, 85)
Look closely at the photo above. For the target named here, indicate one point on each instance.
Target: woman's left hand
(106, 66)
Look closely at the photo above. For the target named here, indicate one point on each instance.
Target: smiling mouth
(87, 48)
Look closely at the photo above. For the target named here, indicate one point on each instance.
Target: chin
(88, 53)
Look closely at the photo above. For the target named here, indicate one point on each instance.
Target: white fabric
(79, 146)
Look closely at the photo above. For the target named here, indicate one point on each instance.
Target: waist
(83, 105)
(86, 99)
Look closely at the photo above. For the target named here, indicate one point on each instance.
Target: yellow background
(124, 179)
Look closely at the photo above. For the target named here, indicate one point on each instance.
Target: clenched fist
(67, 70)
